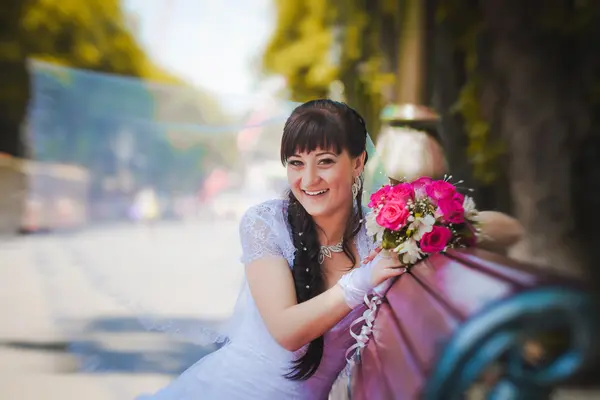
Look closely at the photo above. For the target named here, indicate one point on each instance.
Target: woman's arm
(272, 285)
(291, 324)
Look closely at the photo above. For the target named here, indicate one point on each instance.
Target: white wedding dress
(252, 365)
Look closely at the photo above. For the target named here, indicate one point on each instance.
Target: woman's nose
(310, 177)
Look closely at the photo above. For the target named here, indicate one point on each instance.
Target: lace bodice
(264, 231)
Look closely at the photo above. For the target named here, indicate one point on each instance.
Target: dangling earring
(356, 186)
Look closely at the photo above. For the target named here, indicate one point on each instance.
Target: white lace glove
(358, 282)
(381, 289)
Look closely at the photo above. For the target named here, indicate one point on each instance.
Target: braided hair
(316, 124)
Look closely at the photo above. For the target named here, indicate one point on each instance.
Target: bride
(308, 264)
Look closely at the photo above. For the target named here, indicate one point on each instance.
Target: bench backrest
(443, 319)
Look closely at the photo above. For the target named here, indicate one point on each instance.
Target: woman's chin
(316, 207)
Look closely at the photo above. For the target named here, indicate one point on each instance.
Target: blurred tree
(472, 154)
(92, 35)
(392, 51)
(13, 76)
(317, 43)
(301, 46)
(538, 74)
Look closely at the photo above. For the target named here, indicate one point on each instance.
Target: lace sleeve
(258, 234)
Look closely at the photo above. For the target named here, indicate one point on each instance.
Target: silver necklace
(327, 251)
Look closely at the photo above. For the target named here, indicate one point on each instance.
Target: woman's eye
(295, 163)
(326, 161)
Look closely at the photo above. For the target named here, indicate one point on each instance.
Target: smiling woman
(325, 155)
(305, 281)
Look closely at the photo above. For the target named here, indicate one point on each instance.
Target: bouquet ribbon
(368, 317)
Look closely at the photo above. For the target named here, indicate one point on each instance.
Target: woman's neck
(331, 228)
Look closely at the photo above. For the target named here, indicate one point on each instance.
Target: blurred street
(76, 308)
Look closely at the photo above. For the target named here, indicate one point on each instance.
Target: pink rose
(436, 240)
(452, 208)
(402, 192)
(379, 196)
(439, 190)
(419, 185)
(393, 215)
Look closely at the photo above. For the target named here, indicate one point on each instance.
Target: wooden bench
(472, 316)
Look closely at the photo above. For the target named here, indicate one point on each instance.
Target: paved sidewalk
(71, 308)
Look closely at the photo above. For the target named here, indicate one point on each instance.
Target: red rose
(420, 185)
(379, 196)
(439, 190)
(436, 240)
(452, 208)
(402, 192)
(393, 215)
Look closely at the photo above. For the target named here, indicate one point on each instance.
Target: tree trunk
(553, 166)
(14, 79)
(449, 78)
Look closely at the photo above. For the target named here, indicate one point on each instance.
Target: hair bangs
(312, 130)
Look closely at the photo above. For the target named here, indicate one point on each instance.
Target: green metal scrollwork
(497, 334)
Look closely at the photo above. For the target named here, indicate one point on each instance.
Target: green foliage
(90, 34)
(390, 239)
(466, 29)
(359, 29)
(318, 42)
(481, 150)
(300, 48)
(557, 19)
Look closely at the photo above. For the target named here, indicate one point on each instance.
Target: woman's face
(322, 180)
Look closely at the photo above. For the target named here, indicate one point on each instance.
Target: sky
(214, 44)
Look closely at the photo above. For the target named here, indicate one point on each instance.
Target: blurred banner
(122, 149)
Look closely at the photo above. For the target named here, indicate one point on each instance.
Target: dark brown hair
(334, 126)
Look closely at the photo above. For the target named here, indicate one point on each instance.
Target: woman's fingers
(390, 271)
(371, 256)
(396, 271)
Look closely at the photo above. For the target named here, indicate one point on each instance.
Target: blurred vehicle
(54, 196)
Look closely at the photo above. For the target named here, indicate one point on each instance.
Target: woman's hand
(371, 256)
(384, 265)
(380, 266)
(388, 265)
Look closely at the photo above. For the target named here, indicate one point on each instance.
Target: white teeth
(315, 193)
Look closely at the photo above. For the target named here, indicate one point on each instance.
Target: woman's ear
(359, 163)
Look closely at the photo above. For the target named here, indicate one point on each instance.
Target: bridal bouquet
(423, 217)
(414, 220)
